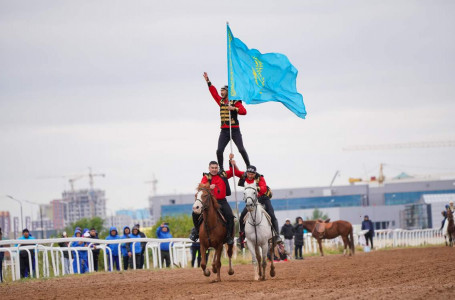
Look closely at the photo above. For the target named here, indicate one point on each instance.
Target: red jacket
(238, 104)
(262, 185)
(220, 187)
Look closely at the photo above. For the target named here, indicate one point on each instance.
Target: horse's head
(202, 199)
(250, 196)
(449, 215)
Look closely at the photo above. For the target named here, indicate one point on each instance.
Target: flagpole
(230, 134)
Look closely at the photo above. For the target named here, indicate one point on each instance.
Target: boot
(276, 238)
(194, 235)
(241, 240)
(229, 227)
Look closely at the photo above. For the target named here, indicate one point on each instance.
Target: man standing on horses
(219, 185)
(257, 181)
(236, 108)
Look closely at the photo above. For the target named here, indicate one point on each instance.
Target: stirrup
(229, 240)
(194, 235)
(277, 239)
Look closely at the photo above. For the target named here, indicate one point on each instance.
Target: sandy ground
(393, 274)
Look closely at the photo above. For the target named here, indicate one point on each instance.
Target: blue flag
(257, 78)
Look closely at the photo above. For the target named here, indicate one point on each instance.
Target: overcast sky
(117, 86)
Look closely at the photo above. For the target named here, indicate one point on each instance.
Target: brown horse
(212, 231)
(330, 230)
(450, 228)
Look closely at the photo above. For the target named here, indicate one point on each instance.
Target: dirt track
(406, 273)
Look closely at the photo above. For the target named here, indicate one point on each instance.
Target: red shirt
(218, 99)
(220, 187)
(262, 186)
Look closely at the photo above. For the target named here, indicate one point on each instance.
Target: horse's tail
(351, 240)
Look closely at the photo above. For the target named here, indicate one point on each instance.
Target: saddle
(321, 226)
(267, 216)
(219, 213)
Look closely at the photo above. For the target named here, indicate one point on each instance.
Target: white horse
(258, 232)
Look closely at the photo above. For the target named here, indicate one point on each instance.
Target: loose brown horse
(212, 231)
(330, 230)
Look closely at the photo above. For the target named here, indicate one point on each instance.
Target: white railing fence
(381, 239)
(46, 257)
(49, 260)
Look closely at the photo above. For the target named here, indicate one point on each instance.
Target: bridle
(255, 199)
(205, 208)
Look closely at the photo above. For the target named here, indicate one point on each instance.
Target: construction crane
(154, 183)
(380, 179)
(74, 178)
(91, 175)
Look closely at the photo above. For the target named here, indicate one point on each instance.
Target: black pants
(165, 255)
(25, 267)
(298, 251)
(264, 200)
(226, 210)
(141, 257)
(224, 139)
(1, 266)
(196, 252)
(126, 262)
(96, 254)
(369, 236)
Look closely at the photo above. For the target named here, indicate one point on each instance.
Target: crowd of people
(130, 253)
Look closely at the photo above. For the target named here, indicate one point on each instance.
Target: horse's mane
(212, 197)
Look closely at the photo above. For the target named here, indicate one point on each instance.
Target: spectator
(1, 258)
(113, 235)
(95, 251)
(196, 250)
(66, 259)
(368, 225)
(298, 238)
(126, 248)
(136, 247)
(288, 231)
(25, 267)
(143, 245)
(83, 255)
(444, 218)
(163, 232)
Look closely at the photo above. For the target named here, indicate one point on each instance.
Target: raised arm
(212, 89)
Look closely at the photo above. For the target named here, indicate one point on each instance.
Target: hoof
(272, 273)
(207, 274)
(263, 278)
(214, 270)
(231, 272)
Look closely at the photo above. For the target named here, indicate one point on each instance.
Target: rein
(255, 223)
(205, 208)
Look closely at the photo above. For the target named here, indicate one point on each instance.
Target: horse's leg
(272, 266)
(204, 261)
(258, 258)
(229, 251)
(345, 242)
(218, 262)
(264, 249)
(250, 245)
(214, 270)
(320, 247)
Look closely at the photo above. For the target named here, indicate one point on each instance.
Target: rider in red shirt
(251, 177)
(236, 108)
(219, 185)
